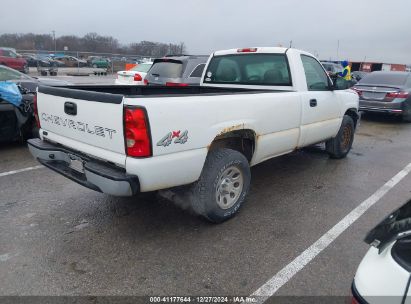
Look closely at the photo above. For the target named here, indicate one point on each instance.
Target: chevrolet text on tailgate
(197, 142)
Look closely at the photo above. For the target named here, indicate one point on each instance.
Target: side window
(198, 71)
(317, 79)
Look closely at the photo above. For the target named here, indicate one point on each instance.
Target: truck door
(320, 105)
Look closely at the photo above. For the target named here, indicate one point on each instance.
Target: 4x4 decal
(180, 138)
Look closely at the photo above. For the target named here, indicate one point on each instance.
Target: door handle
(313, 102)
(70, 108)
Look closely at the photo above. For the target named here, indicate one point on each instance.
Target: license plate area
(76, 163)
(374, 95)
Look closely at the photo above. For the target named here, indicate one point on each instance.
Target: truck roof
(273, 50)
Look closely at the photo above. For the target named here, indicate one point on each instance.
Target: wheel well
(353, 114)
(242, 141)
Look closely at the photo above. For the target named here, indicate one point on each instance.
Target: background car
(19, 122)
(383, 275)
(10, 58)
(183, 70)
(54, 61)
(100, 62)
(386, 92)
(70, 61)
(358, 75)
(28, 82)
(331, 67)
(31, 59)
(134, 76)
(43, 64)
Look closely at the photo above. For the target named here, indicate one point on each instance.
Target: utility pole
(338, 50)
(291, 44)
(55, 44)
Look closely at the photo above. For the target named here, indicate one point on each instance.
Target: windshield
(385, 79)
(9, 74)
(249, 69)
(142, 68)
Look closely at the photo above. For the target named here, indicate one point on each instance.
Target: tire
(407, 116)
(223, 185)
(339, 146)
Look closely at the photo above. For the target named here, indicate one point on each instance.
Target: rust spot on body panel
(230, 129)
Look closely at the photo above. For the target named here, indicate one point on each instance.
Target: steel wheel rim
(229, 188)
(346, 138)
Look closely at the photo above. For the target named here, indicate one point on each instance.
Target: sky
(374, 30)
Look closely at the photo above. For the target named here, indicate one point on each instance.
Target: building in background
(377, 66)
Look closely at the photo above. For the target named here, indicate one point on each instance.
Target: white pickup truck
(252, 104)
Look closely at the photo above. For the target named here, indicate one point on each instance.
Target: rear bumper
(356, 295)
(382, 107)
(96, 175)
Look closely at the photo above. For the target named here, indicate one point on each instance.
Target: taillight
(393, 95)
(358, 91)
(354, 300)
(137, 77)
(36, 112)
(176, 84)
(136, 133)
(145, 81)
(247, 50)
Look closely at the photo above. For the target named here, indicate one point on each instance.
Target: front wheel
(340, 146)
(223, 185)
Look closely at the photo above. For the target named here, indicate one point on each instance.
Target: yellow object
(348, 76)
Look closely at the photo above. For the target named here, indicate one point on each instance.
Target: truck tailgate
(89, 118)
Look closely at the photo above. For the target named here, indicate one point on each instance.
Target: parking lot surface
(58, 238)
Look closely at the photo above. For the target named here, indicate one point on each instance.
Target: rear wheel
(223, 185)
(340, 146)
(406, 117)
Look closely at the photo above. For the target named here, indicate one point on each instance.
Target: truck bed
(115, 93)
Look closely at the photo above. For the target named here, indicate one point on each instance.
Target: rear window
(142, 68)
(384, 79)
(249, 69)
(167, 69)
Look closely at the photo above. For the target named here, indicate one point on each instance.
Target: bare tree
(91, 42)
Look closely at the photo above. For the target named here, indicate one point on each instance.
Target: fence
(118, 61)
